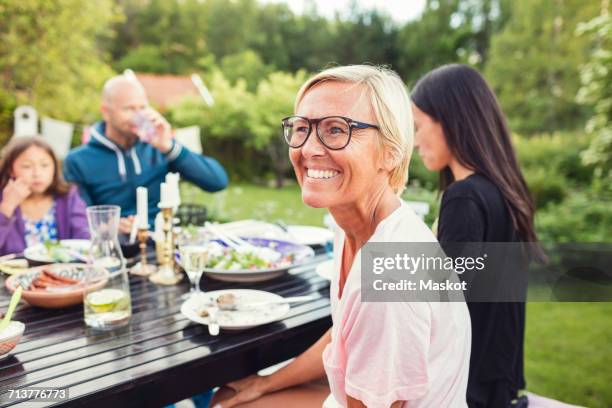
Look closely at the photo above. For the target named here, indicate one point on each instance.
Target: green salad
(57, 252)
(229, 259)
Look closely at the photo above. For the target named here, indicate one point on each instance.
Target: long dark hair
(476, 132)
(15, 148)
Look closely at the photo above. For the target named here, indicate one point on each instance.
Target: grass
(568, 346)
(249, 201)
(568, 352)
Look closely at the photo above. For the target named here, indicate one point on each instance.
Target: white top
(382, 352)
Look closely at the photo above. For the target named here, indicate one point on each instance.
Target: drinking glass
(193, 256)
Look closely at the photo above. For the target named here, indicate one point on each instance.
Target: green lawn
(568, 352)
(250, 201)
(568, 347)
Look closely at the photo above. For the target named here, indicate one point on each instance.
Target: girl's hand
(246, 390)
(15, 192)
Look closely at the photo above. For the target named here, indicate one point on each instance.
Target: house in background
(165, 90)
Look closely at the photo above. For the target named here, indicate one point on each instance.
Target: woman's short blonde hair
(391, 105)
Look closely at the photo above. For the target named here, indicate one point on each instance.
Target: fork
(235, 242)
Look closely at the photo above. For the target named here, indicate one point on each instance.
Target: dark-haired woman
(36, 204)
(462, 133)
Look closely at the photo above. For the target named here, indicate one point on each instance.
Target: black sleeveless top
(473, 210)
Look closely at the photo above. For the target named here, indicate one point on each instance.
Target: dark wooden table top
(160, 357)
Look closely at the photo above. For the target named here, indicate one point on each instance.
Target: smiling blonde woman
(350, 142)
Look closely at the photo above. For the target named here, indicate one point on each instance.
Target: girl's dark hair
(15, 148)
(475, 129)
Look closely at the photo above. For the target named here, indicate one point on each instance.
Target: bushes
(552, 165)
(568, 207)
(545, 186)
(582, 217)
(558, 153)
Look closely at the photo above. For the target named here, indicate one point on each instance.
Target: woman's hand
(308, 366)
(245, 390)
(15, 192)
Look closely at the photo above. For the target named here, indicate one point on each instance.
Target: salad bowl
(230, 265)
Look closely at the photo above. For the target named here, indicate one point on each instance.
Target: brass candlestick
(166, 274)
(143, 268)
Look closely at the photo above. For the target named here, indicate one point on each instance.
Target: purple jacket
(69, 215)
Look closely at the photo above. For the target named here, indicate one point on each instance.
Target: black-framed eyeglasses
(333, 131)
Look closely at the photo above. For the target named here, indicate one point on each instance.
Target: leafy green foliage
(246, 65)
(274, 100)
(582, 217)
(558, 154)
(226, 119)
(534, 64)
(50, 55)
(596, 91)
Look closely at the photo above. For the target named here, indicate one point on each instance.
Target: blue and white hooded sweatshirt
(109, 174)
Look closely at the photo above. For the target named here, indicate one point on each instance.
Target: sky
(400, 10)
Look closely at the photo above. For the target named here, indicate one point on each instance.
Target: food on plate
(230, 259)
(47, 280)
(226, 300)
(58, 251)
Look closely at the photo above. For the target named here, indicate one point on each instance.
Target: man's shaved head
(122, 98)
(118, 85)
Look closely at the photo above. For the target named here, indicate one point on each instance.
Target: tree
(596, 90)
(162, 36)
(534, 64)
(449, 31)
(365, 36)
(226, 119)
(49, 55)
(246, 65)
(273, 101)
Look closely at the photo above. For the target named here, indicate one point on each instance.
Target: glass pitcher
(107, 296)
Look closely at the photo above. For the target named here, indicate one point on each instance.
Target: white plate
(309, 235)
(326, 269)
(302, 254)
(39, 253)
(239, 319)
(245, 277)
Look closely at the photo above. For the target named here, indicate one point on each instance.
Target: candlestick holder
(143, 268)
(166, 274)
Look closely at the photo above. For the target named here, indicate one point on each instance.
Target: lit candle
(142, 208)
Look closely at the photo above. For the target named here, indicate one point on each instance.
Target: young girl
(462, 133)
(36, 204)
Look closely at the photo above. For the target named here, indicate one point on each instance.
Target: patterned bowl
(60, 297)
(9, 337)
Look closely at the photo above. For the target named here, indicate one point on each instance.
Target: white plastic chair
(190, 138)
(58, 134)
(25, 121)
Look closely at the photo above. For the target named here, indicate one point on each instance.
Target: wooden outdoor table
(160, 357)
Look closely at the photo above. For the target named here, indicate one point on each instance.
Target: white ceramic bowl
(9, 337)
